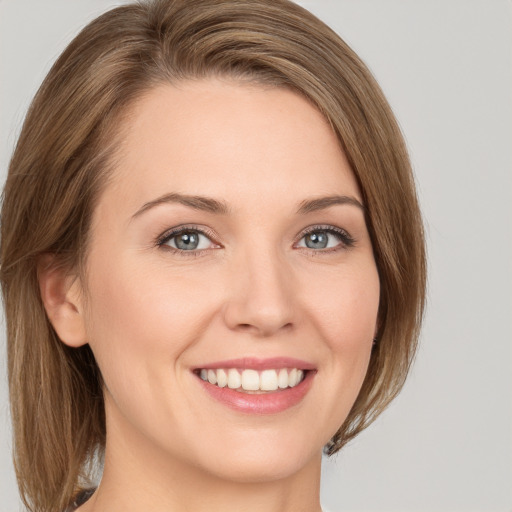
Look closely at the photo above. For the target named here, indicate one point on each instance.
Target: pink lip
(271, 402)
(254, 363)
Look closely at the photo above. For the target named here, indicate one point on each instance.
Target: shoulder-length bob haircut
(66, 151)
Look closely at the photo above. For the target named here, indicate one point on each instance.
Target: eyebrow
(205, 204)
(321, 203)
(208, 204)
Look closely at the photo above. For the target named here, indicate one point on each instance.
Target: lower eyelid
(185, 254)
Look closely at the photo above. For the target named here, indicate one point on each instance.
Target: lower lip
(270, 402)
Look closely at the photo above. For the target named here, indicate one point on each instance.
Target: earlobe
(62, 299)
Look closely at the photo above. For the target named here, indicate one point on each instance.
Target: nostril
(262, 329)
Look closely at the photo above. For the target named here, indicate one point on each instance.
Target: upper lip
(254, 363)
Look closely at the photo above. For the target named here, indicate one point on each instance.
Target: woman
(212, 261)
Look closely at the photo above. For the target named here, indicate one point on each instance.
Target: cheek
(133, 317)
(140, 326)
(345, 305)
(346, 317)
(142, 313)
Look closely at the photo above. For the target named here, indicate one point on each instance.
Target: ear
(62, 298)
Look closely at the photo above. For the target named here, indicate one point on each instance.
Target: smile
(257, 386)
(253, 381)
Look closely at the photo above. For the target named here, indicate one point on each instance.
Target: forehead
(235, 141)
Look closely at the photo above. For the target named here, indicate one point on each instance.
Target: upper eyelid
(324, 227)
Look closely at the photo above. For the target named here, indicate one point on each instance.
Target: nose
(260, 298)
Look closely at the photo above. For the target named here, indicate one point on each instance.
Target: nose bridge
(260, 297)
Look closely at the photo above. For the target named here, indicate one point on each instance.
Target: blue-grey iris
(187, 241)
(317, 240)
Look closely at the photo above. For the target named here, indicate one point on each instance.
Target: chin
(257, 460)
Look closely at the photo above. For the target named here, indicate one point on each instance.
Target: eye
(321, 238)
(186, 239)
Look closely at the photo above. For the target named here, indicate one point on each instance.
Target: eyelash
(346, 240)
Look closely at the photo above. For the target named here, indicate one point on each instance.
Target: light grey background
(446, 67)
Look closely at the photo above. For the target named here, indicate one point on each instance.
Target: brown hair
(63, 157)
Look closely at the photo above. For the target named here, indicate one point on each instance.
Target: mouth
(253, 381)
(257, 386)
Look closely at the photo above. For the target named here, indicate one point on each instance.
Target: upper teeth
(252, 380)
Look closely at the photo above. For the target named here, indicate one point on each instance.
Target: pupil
(316, 240)
(187, 241)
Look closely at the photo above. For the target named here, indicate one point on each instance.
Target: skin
(151, 315)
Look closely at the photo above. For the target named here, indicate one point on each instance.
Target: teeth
(212, 376)
(234, 379)
(282, 379)
(268, 380)
(222, 378)
(252, 380)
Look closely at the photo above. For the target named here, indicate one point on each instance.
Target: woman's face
(231, 238)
